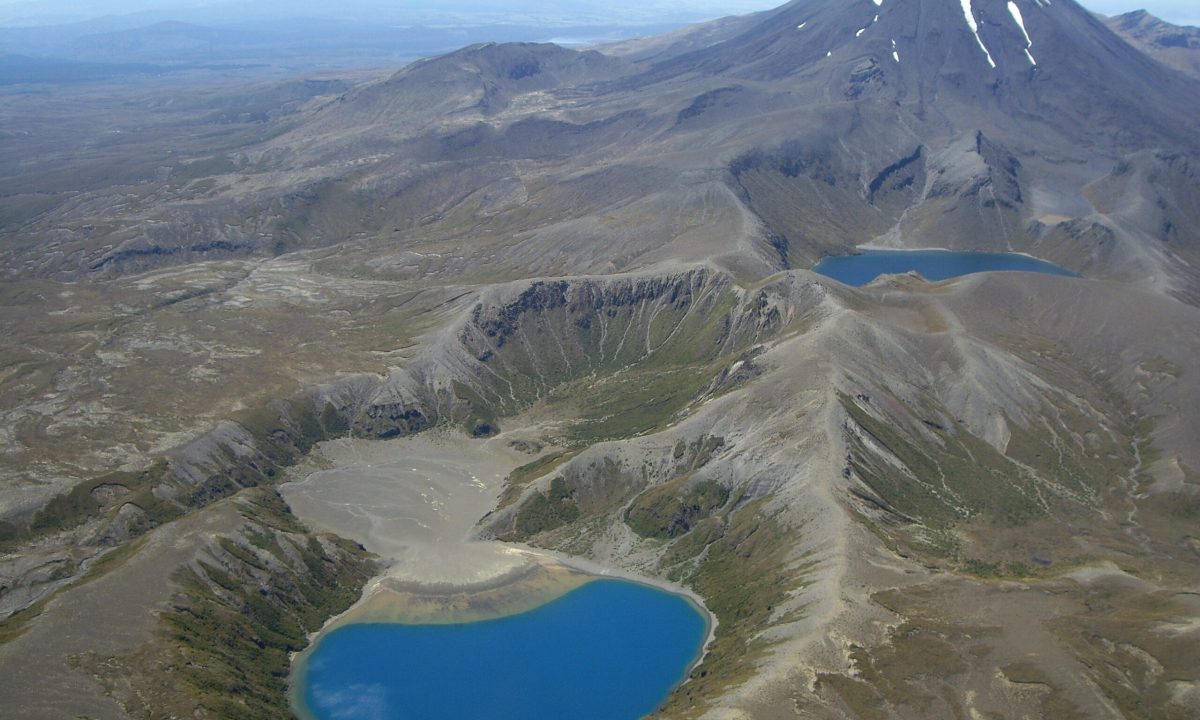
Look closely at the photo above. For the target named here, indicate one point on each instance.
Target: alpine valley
(581, 280)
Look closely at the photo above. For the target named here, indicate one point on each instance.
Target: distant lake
(861, 269)
(608, 650)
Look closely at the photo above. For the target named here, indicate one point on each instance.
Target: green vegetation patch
(87, 499)
(622, 356)
(283, 432)
(631, 403)
(672, 509)
(234, 626)
(10, 534)
(741, 567)
(546, 511)
(481, 418)
(915, 669)
(520, 478)
(944, 481)
(269, 511)
(1124, 643)
(1084, 463)
(862, 699)
(683, 553)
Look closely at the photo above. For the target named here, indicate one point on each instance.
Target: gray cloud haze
(26, 11)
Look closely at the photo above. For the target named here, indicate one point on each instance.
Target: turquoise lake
(861, 269)
(608, 650)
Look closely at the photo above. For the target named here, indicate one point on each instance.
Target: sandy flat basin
(414, 501)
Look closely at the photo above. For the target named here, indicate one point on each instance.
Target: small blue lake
(608, 650)
(861, 269)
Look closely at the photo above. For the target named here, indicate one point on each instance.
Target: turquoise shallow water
(609, 650)
(861, 269)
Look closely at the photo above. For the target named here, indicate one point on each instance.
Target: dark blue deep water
(932, 264)
(609, 650)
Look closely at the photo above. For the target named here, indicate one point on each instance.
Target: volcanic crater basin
(415, 502)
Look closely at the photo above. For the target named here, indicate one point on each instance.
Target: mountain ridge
(1177, 46)
(1062, 128)
(907, 500)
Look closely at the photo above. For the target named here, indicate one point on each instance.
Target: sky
(1186, 12)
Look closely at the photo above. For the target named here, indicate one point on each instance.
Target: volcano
(576, 289)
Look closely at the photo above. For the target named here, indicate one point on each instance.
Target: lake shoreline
(415, 502)
(875, 247)
(934, 264)
(554, 577)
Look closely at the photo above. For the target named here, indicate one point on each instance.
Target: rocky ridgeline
(632, 337)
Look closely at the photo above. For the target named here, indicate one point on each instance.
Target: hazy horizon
(25, 12)
(73, 41)
(34, 12)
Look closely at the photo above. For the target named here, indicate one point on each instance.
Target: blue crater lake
(608, 650)
(861, 269)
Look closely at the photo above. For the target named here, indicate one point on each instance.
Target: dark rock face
(393, 420)
(149, 256)
(539, 297)
(709, 104)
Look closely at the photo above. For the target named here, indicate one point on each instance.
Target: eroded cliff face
(197, 618)
(880, 465)
(954, 499)
(624, 354)
(827, 468)
(244, 604)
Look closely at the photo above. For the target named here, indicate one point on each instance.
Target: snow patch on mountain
(969, 14)
(1016, 13)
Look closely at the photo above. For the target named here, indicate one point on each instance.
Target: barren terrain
(506, 319)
